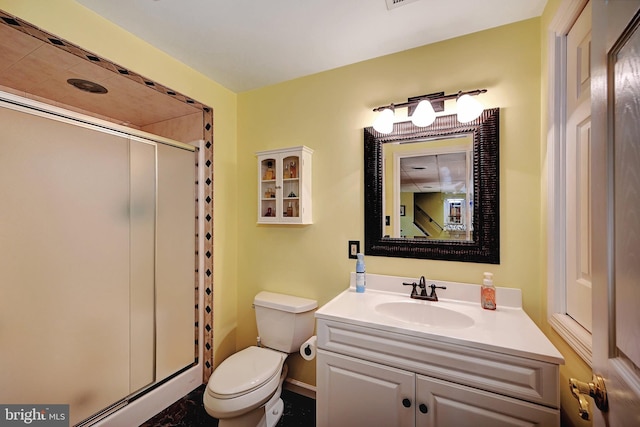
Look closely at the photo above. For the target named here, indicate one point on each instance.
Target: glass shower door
(64, 278)
(97, 250)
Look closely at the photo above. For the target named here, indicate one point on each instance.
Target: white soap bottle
(360, 274)
(488, 292)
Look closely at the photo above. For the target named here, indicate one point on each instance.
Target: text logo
(34, 415)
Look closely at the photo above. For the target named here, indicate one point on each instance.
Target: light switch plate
(354, 248)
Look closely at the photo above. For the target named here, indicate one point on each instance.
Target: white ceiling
(248, 44)
(434, 173)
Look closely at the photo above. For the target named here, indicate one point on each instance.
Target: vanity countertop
(506, 330)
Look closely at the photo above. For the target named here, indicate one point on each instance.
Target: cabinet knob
(406, 403)
(423, 408)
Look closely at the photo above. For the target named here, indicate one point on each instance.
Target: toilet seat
(245, 371)
(244, 381)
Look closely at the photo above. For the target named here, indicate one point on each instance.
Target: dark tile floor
(299, 411)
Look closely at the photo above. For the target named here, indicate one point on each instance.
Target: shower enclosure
(97, 260)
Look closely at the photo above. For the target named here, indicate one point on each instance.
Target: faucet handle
(433, 291)
(413, 291)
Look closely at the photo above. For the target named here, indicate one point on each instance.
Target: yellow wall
(328, 111)
(72, 22)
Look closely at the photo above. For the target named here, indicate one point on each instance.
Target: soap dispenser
(360, 274)
(488, 292)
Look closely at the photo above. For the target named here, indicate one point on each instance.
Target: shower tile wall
(47, 46)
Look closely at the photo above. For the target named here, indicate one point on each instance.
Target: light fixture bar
(438, 106)
(433, 98)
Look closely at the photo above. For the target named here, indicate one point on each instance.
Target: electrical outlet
(354, 248)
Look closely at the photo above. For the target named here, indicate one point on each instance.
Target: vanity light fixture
(469, 108)
(422, 109)
(384, 122)
(424, 114)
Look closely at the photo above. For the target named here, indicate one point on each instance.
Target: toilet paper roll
(308, 348)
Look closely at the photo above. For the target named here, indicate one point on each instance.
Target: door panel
(578, 176)
(627, 196)
(616, 208)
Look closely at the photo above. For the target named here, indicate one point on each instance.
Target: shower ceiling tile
(33, 65)
(14, 49)
(91, 71)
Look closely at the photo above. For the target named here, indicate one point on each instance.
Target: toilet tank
(284, 321)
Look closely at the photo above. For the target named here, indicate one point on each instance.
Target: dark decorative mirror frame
(485, 245)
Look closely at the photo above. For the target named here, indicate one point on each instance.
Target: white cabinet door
(354, 393)
(445, 404)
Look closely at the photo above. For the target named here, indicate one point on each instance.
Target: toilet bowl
(244, 391)
(243, 382)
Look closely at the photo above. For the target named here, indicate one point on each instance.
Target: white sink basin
(425, 314)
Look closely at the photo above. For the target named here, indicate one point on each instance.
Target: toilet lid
(245, 371)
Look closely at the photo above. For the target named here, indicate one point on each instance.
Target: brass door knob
(595, 389)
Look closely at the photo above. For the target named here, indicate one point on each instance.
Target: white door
(578, 176)
(615, 92)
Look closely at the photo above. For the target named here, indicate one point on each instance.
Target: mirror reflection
(429, 189)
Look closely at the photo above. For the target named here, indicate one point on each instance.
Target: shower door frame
(148, 401)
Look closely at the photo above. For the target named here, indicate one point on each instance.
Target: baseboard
(301, 388)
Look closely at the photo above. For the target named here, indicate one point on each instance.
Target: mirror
(428, 188)
(453, 211)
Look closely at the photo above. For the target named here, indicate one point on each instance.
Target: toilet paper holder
(308, 348)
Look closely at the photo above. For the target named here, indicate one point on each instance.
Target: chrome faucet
(423, 290)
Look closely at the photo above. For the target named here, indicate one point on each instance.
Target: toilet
(244, 391)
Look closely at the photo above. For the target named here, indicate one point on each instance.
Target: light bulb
(384, 122)
(468, 108)
(424, 114)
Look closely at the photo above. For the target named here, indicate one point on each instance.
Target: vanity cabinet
(284, 186)
(368, 377)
